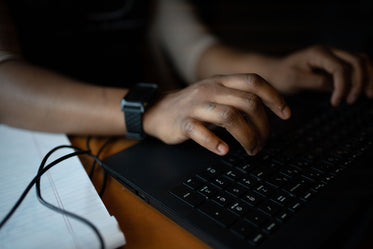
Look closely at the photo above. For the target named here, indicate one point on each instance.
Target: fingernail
(370, 93)
(251, 153)
(223, 149)
(254, 149)
(336, 102)
(286, 112)
(352, 99)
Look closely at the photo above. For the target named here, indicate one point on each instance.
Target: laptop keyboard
(251, 196)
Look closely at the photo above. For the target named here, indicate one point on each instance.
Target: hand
(347, 75)
(234, 102)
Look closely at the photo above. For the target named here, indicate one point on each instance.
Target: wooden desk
(143, 225)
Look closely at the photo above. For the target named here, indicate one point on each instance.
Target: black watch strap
(133, 119)
(134, 104)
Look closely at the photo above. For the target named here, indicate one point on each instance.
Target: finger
(255, 84)
(231, 119)
(196, 131)
(358, 73)
(314, 81)
(250, 105)
(323, 58)
(369, 79)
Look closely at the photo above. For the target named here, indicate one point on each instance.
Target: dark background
(88, 40)
(280, 27)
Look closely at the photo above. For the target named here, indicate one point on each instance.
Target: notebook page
(66, 185)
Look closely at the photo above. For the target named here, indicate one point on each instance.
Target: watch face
(141, 93)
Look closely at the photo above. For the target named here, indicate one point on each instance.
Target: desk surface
(143, 225)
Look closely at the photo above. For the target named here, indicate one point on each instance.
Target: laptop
(310, 187)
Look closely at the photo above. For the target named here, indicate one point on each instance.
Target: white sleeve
(182, 36)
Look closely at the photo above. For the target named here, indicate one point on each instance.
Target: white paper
(66, 185)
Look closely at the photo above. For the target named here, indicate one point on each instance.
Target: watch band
(134, 104)
(133, 119)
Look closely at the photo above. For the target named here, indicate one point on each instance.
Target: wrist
(134, 105)
(152, 118)
(263, 65)
(221, 59)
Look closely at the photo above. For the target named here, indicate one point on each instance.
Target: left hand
(346, 74)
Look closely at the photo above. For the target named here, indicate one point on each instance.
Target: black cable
(29, 186)
(88, 143)
(36, 180)
(105, 176)
(107, 142)
(57, 209)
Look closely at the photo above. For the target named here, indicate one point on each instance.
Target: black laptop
(310, 187)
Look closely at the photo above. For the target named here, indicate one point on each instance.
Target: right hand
(345, 74)
(234, 102)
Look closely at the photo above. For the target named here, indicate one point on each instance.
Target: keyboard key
(248, 181)
(277, 180)
(269, 208)
(236, 190)
(336, 170)
(282, 198)
(302, 164)
(274, 166)
(257, 218)
(262, 172)
(221, 182)
(262, 157)
(208, 190)
(233, 174)
(318, 186)
(327, 178)
(312, 174)
(211, 172)
(243, 229)
(334, 160)
(217, 213)
(341, 152)
(256, 238)
(270, 227)
(193, 182)
(252, 198)
(187, 195)
(289, 171)
(323, 167)
(295, 205)
(239, 208)
(283, 215)
(261, 221)
(307, 195)
(283, 158)
(297, 187)
(264, 189)
(310, 156)
(222, 199)
(232, 160)
(246, 166)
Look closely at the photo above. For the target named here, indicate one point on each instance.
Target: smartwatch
(134, 104)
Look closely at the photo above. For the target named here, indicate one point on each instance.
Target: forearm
(221, 59)
(37, 99)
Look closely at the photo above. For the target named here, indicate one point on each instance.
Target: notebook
(310, 187)
(66, 186)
